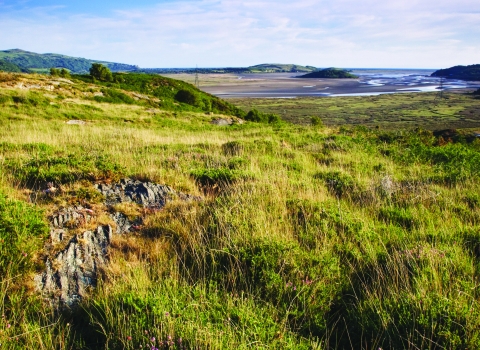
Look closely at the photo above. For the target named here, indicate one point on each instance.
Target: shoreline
(288, 85)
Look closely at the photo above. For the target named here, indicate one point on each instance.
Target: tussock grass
(307, 237)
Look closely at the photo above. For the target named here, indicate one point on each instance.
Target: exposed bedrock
(71, 271)
(74, 269)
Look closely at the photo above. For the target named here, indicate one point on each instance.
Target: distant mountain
(330, 73)
(36, 61)
(6, 66)
(471, 72)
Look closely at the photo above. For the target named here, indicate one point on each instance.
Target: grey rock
(74, 270)
(57, 235)
(72, 216)
(222, 122)
(76, 122)
(147, 194)
(124, 224)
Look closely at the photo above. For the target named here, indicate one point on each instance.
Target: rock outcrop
(72, 271)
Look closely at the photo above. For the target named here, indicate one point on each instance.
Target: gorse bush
(339, 183)
(259, 117)
(188, 97)
(114, 96)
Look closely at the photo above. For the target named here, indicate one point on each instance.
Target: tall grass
(306, 237)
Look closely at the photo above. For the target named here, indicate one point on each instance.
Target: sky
(228, 33)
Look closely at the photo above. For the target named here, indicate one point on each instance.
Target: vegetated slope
(279, 68)
(32, 60)
(167, 93)
(331, 73)
(260, 68)
(6, 66)
(471, 72)
(305, 237)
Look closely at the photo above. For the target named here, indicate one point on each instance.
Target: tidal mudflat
(287, 85)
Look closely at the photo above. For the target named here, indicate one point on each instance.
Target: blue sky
(213, 33)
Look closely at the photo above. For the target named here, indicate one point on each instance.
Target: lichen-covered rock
(124, 224)
(72, 216)
(70, 272)
(74, 269)
(147, 194)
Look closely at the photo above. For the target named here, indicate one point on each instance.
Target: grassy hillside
(32, 60)
(306, 238)
(259, 68)
(330, 73)
(158, 91)
(279, 68)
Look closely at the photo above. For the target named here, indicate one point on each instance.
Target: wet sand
(287, 85)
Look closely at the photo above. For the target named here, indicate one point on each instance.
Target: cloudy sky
(219, 33)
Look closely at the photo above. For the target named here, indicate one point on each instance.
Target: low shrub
(316, 121)
(4, 99)
(219, 176)
(114, 96)
(189, 97)
(32, 98)
(259, 117)
(339, 183)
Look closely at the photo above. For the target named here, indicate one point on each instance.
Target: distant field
(392, 111)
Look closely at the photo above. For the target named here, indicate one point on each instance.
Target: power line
(197, 82)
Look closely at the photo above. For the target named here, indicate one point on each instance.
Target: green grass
(390, 111)
(307, 237)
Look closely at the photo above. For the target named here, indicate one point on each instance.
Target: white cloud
(369, 33)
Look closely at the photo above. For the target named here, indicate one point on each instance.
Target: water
(370, 82)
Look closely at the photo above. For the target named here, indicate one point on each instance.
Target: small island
(471, 72)
(330, 73)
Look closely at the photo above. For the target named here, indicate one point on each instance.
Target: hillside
(260, 68)
(32, 60)
(279, 68)
(330, 73)
(6, 66)
(175, 231)
(471, 72)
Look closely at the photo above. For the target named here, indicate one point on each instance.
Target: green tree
(100, 72)
(54, 72)
(64, 73)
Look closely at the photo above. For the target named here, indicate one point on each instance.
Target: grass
(389, 111)
(308, 237)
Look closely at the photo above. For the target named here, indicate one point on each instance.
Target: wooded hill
(36, 61)
(471, 72)
(6, 66)
(331, 73)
